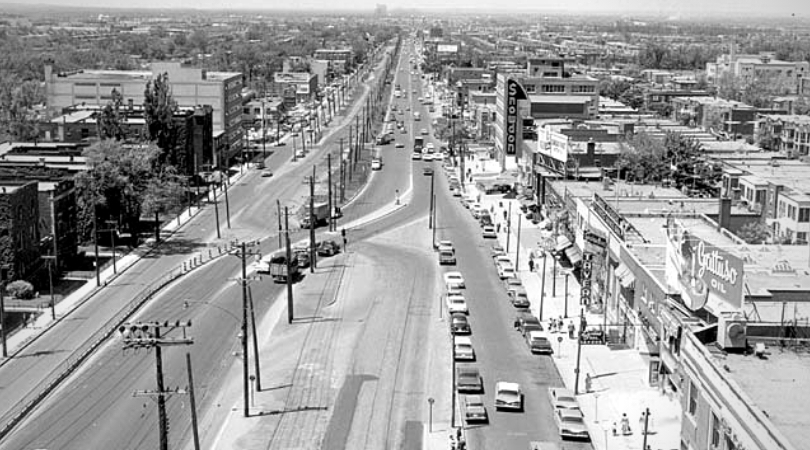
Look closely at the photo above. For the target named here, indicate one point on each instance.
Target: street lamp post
(3, 275)
(112, 224)
(50, 258)
(567, 274)
(542, 285)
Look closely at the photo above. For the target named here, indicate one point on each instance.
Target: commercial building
(191, 87)
(340, 61)
(551, 92)
(295, 87)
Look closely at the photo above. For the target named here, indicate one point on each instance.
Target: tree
(113, 187)
(21, 289)
(642, 158)
(109, 119)
(162, 193)
(159, 108)
(766, 139)
(755, 233)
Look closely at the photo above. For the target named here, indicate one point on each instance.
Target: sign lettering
(514, 92)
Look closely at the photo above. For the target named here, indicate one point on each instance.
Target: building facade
(190, 87)
(19, 228)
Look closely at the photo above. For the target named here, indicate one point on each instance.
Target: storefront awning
(573, 254)
(625, 276)
(562, 243)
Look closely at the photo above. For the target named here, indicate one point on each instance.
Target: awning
(625, 276)
(562, 243)
(573, 254)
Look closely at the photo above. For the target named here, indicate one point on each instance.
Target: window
(693, 397)
(553, 88)
(801, 236)
(804, 215)
(531, 89)
(715, 432)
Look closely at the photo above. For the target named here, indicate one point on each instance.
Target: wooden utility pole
(148, 335)
(242, 254)
(313, 263)
(329, 188)
(289, 266)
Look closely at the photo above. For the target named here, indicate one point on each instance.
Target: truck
(418, 143)
(385, 138)
(276, 266)
(320, 214)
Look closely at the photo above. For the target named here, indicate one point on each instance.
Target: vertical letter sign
(514, 92)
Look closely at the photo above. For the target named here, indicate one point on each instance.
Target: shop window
(715, 432)
(730, 445)
(693, 397)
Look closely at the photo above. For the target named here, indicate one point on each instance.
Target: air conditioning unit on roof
(731, 331)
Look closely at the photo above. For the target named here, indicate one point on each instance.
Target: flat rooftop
(778, 386)
(790, 173)
(573, 99)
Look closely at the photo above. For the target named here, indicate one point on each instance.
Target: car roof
(463, 340)
(570, 412)
(452, 274)
(537, 334)
(474, 399)
(468, 370)
(458, 317)
(506, 386)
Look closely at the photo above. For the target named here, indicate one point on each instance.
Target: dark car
(485, 220)
(468, 379)
(459, 324)
(525, 322)
(328, 248)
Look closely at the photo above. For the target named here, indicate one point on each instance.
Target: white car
(456, 304)
(438, 156)
(571, 424)
(427, 156)
(430, 148)
(416, 156)
(454, 280)
(489, 232)
(508, 396)
(446, 245)
(463, 348)
(562, 397)
(501, 260)
(376, 164)
(505, 272)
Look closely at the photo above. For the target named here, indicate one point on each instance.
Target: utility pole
(432, 199)
(278, 205)
(646, 428)
(508, 226)
(192, 402)
(95, 244)
(554, 278)
(216, 214)
(113, 226)
(242, 253)
(255, 337)
(329, 188)
(542, 286)
(3, 276)
(342, 164)
(227, 206)
(579, 349)
(313, 263)
(148, 335)
(289, 268)
(517, 249)
(435, 225)
(50, 258)
(264, 135)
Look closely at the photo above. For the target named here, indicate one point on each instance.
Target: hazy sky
(669, 7)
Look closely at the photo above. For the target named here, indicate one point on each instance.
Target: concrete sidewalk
(619, 376)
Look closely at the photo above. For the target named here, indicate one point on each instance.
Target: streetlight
(50, 258)
(3, 275)
(113, 229)
(567, 273)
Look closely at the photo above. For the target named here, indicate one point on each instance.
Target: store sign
(700, 271)
(514, 92)
(609, 216)
(596, 238)
(586, 272)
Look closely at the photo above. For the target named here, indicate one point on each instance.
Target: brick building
(19, 230)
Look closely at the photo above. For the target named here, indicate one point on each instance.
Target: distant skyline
(686, 8)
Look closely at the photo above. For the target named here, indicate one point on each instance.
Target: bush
(21, 289)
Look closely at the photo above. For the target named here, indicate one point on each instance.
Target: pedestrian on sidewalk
(588, 383)
(531, 265)
(626, 425)
(571, 329)
(498, 227)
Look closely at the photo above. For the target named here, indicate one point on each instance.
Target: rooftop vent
(783, 267)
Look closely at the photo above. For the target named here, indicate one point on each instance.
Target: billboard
(700, 271)
(514, 92)
(447, 48)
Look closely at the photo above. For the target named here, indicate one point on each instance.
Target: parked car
(468, 379)
(456, 303)
(525, 322)
(454, 280)
(476, 209)
(447, 258)
(474, 409)
(520, 298)
(571, 424)
(489, 232)
(505, 271)
(511, 284)
(501, 259)
(485, 220)
(463, 349)
(328, 248)
(562, 398)
(539, 343)
(508, 396)
(459, 324)
(496, 250)
(416, 156)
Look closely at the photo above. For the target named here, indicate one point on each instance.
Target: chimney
(724, 216)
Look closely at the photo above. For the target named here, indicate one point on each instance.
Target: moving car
(508, 396)
(427, 156)
(267, 174)
(539, 343)
(474, 409)
(423, 131)
(376, 164)
(399, 145)
(446, 245)
(463, 349)
(459, 324)
(454, 280)
(427, 171)
(456, 303)
(468, 379)
(416, 156)
(571, 424)
(562, 398)
(489, 232)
